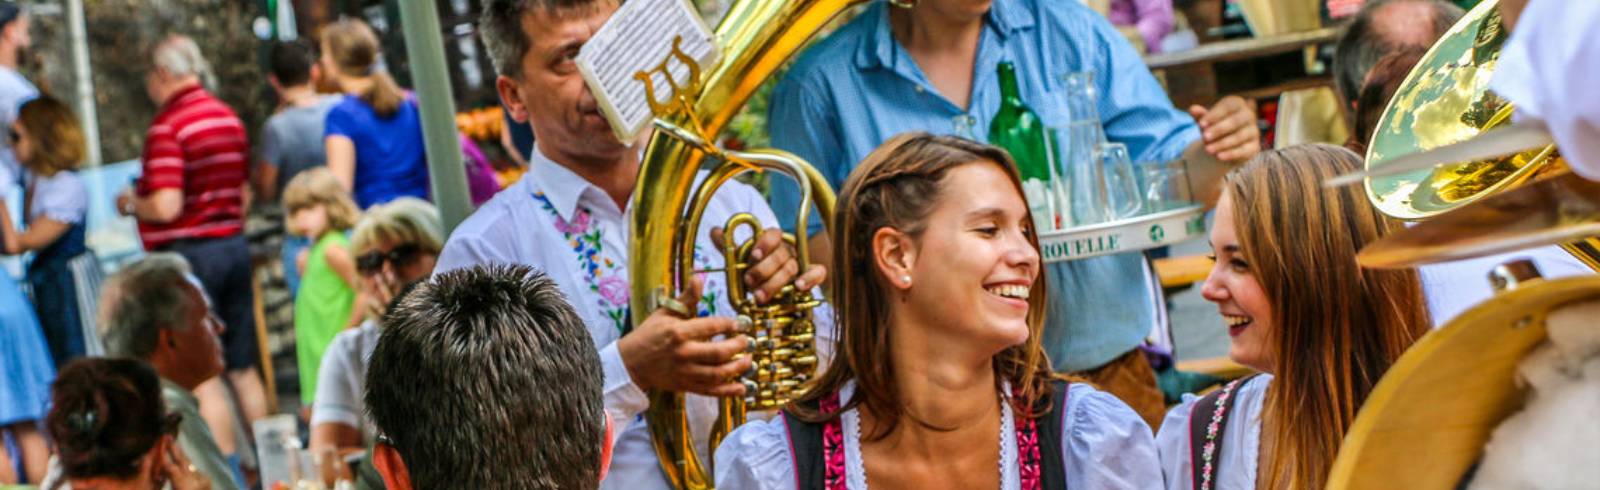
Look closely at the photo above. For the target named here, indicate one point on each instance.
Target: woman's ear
(895, 255)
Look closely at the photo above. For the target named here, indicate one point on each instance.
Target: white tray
(1127, 235)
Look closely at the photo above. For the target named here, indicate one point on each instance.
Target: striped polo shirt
(198, 145)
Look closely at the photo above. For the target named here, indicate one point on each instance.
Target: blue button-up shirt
(858, 87)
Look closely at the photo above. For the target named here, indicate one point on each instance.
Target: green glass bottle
(1018, 130)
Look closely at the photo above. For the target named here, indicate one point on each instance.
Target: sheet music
(638, 37)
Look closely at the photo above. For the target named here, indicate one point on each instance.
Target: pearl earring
(906, 279)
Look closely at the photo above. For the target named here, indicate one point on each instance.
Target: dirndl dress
(26, 369)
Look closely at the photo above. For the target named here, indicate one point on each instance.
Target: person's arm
(337, 411)
(339, 259)
(1229, 137)
(264, 180)
(163, 180)
(40, 234)
(1135, 111)
(342, 159)
(1109, 443)
(799, 123)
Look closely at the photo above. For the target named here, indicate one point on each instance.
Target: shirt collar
(182, 393)
(1005, 17)
(180, 96)
(563, 187)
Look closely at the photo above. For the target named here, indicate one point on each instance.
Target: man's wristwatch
(128, 207)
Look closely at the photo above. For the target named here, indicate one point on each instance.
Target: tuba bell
(1446, 99)
(757, 37)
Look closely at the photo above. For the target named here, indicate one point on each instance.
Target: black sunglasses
(372, 262)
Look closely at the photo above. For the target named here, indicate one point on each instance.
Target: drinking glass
(1123, 196)
(1164, 186)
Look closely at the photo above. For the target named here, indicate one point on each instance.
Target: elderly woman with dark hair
(112, 429)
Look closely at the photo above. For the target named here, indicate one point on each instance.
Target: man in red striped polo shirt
(190, 200)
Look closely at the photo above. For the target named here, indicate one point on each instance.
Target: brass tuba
(757, 37)
(1446, 99)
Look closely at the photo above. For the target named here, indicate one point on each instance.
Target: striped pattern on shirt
(198, 145)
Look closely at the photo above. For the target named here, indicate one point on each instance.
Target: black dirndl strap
(1207, 419)
(1052, 424)
(810, 469)
(805, 446)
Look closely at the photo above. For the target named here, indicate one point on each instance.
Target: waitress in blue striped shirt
(914, 65)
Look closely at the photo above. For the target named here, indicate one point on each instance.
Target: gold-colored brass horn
(756, 37)
(1446, 99)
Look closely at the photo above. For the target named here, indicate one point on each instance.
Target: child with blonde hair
(319, 208)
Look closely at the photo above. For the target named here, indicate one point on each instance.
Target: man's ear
(393, 469)
(511, 97)
(895, 255)
(605, 448)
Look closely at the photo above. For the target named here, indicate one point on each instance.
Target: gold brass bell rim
(1559, 208)
(1444, 397)
(1398, 195)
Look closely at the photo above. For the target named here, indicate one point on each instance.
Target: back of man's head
(486, 378)
(180, 57)
(139, 300)
(1385, 26)
(292, 61)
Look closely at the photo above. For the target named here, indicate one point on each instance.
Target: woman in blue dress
(63, 275)
(26, 367)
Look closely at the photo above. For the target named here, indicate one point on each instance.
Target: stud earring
(906, 279)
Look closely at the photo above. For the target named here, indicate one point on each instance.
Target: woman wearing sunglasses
(112, 430)
(395, 246)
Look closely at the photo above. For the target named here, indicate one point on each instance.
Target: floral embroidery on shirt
(607, 278)
(604, 276)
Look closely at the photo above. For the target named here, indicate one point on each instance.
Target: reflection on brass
(1446, 99)
(756, 38)
(1558, 209)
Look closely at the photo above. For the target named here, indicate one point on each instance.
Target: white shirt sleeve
(623, 399)
(337, 400)
(1106, 444)
(756, 457)
(60, 197)
(1547, 69)
(1173, 443)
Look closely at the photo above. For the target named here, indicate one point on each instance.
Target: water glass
(1123, 196)
(1164, 186)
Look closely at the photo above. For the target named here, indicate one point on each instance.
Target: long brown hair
(1339, 326)
(897, 186)
(355, 51)
(57, 138)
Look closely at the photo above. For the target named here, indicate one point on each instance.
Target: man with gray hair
(485, 378)
(190, 201)
(155, 310)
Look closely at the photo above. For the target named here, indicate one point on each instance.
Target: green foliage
(120, 33)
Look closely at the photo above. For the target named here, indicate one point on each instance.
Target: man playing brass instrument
(569, 217)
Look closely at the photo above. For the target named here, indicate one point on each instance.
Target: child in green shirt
(321, 210)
